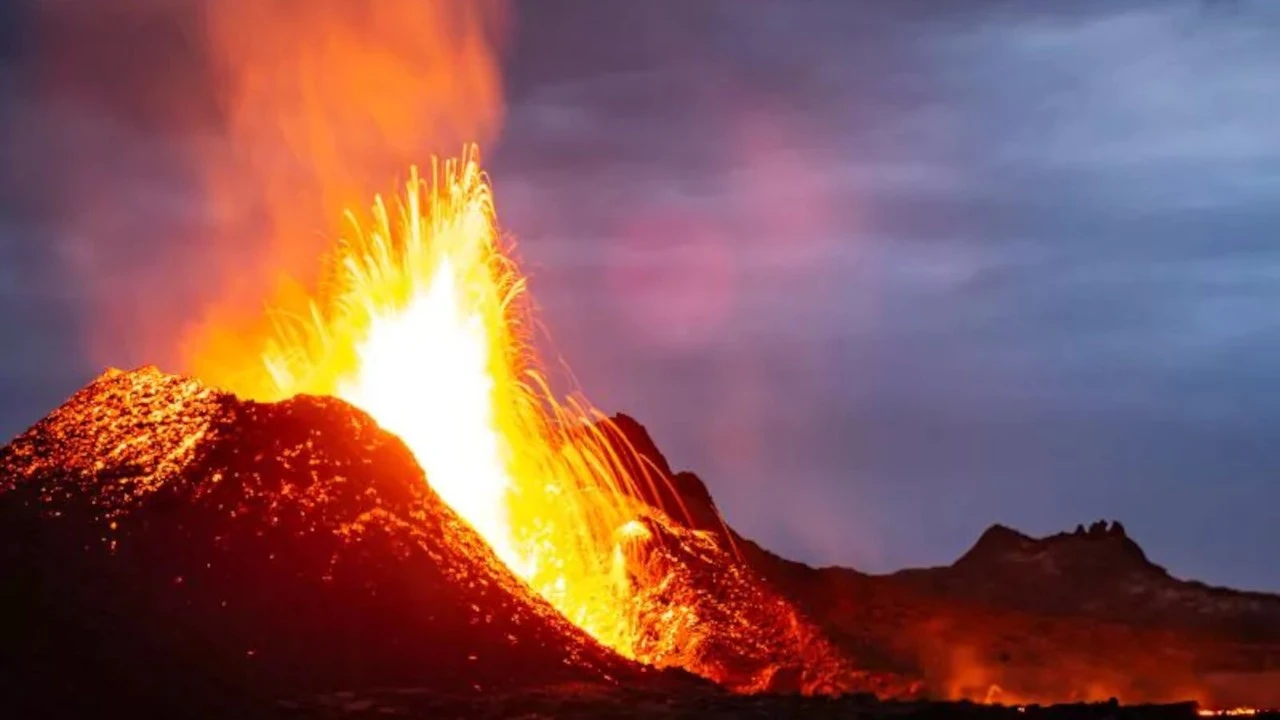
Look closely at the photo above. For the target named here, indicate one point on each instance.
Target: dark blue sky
(883, 273)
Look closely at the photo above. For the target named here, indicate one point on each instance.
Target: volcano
(387, 493)
(165, 545)
(168, 546)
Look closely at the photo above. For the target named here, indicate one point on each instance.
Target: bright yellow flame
(423, 325)
(442, 408)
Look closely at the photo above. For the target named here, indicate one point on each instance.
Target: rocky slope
(965, 648)
(1118, 622)
(1075, 616)
(1099, 573)
(700, 605)
(168, 547)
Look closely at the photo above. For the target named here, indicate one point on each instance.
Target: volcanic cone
(170, 544)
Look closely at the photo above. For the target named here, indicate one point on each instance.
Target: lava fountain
(419, 314)
(423, 321)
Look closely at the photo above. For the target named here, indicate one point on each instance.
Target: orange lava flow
(424, 323)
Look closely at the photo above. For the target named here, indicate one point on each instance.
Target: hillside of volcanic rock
(698, 605)
(1075, 616)
(1218, 644)
(1009, 570)
(171, 545)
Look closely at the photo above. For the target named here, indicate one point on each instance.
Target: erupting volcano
(371, 494)
(404, 461)
(234, 509)
(425, 324)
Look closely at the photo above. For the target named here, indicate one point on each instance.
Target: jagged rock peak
(1103, 540)
(681, 495)
(639, 437)
(998, 540)
(1101, 529)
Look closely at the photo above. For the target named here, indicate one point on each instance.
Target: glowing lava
(423, 324)
(452, 431)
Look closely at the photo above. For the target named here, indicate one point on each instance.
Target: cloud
(1164, 106)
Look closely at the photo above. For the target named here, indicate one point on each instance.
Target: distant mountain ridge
(1076, 615)
(1097, 572)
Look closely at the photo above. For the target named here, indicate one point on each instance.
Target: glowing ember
(423, 324)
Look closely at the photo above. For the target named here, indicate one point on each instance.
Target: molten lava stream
(424, 324)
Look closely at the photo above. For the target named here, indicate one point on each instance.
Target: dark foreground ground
(588, 702)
